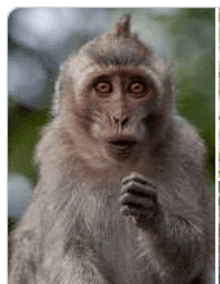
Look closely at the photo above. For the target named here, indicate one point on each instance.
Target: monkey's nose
(120, 122)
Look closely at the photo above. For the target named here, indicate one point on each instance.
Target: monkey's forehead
(95, 62)
(108, 65)
(90, 65)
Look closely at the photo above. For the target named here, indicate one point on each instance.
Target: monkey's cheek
(95, 131)
(141, 132)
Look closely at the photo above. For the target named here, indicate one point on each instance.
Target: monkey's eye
(138, 89)
(103, 88)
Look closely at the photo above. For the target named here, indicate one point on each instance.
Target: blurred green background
(41, 38)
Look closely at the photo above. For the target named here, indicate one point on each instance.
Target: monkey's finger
(136, 201)
(134, 176)
(139, 190)
(137, 178)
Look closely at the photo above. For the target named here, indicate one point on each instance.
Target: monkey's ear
(122, 27)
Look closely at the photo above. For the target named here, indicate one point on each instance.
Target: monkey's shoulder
(187, 139)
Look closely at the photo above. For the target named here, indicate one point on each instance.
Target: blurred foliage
(24, 131)
(192, 32)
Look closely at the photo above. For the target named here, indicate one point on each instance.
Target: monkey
(121, 196)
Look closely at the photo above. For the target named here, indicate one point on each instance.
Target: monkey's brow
(118, 58)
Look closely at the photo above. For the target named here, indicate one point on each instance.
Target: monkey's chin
(121, 150)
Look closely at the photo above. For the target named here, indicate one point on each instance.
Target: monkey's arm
(173, 228)
(23, 261)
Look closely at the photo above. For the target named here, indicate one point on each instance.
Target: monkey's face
(114, 107)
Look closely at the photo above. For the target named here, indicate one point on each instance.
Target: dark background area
(40, 39)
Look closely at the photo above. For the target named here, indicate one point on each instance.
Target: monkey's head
(115, 94)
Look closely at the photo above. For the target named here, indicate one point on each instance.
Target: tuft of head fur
(122, 26)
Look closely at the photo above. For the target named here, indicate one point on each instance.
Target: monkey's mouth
(122, 144)
(121, 148)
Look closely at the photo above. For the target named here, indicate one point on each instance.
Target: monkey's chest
(117, 249)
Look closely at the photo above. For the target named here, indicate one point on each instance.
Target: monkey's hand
(139, 199)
